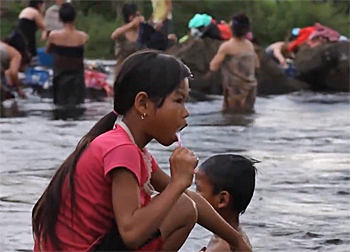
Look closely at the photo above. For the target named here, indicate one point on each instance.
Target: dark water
(302, 198)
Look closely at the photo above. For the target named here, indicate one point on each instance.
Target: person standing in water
(29, 20)
(126, 36)
(52, 19)
(67, 49)
(100, 197)
(239, 81)
(227, 182)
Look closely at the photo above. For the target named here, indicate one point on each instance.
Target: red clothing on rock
(303, 36)
(93, 214)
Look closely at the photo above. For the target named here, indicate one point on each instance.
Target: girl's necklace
(147, 186)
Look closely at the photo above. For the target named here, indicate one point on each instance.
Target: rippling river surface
(301, 202)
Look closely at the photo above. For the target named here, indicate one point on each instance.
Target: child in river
(227, 182)
(100, 197)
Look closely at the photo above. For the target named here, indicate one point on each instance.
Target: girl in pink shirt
(100, 197)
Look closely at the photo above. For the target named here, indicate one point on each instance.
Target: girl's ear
(140, 102)
(224, 199)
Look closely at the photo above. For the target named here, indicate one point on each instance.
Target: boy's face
(205, 188)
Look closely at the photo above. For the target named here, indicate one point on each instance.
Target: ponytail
(46, 210)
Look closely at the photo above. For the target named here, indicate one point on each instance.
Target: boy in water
(227, 182)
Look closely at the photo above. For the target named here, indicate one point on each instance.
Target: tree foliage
(272, 19)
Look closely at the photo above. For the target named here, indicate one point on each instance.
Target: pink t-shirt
(93, 215)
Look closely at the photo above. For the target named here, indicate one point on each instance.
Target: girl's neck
(136, 130)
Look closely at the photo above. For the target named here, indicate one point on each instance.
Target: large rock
(197, 54)
(325, 67)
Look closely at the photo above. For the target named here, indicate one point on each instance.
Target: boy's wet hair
(240, 25)
(35, 3)
(129, 9)
(234, 174)
(150, 71)
(67, 13)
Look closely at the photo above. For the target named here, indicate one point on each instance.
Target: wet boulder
(324, 67)
(197, 54)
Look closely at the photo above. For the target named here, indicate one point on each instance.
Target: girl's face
(170, 117)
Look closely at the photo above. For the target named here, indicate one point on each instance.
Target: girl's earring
(143, 116)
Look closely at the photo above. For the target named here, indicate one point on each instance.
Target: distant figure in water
(23, 38)
(227, 182)
(67, 49)
(238, 71)
(10, 62)
(52, 19)
(126, 36)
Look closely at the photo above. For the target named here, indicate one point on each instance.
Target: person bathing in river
(67, 48)
(239, 82)
(126, 36)
(100, 197)
(52, 19)
(10, 63)
(227, 182)
(24, 36)
(279, 52)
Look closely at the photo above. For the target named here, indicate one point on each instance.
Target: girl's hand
(182, 164)
(137, 20)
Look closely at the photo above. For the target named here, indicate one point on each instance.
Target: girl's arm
(39, 20)
(207, 216)
(135, 223)
(123, 29)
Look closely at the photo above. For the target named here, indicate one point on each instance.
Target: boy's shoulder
(244, 236)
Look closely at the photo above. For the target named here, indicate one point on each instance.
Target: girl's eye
(179, 101)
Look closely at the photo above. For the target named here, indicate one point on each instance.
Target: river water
(301, 202)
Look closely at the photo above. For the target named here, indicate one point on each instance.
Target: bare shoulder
(250, 44)
(53, 35)
(225, 47)
(29, 13)
(244, 236)
(217, 244)
(84, 36)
